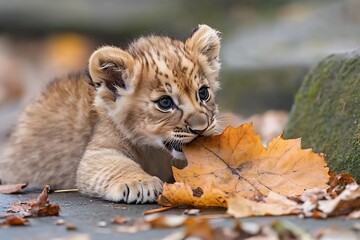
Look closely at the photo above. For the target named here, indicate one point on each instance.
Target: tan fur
(117, 136)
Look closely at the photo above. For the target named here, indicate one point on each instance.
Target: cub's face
(160, 91)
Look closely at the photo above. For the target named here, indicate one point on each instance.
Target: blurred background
(268, 46)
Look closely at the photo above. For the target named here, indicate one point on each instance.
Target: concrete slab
(85, 213)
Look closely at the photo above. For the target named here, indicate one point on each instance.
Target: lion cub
(103, 132)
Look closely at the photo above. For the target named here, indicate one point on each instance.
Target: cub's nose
(197, 123)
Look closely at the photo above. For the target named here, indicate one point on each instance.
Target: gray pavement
(85, 213)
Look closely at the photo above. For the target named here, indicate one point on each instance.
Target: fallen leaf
(36, 207)
(335, 233)
(354, 215)
(237, 162)
(273, 204)
(338, 182)
(70, 227)
(199, 230)
(183, 194)
(165, 221)
(137, 226)
(347, 201)
(12, 188)
(119, 220)
(13, 220)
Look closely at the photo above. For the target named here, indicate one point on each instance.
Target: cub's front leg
(109, 174)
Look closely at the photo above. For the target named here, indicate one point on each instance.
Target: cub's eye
(165, 103)
(204, 94)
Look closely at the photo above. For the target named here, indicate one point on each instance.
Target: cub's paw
(137, 191)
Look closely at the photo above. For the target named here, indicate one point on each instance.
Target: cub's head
(160, 91)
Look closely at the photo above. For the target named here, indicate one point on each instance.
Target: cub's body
(113, 133)
(53, 132)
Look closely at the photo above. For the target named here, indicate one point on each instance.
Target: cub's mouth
(173, 145)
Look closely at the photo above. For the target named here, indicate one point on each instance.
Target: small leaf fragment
(12, 188)
(119, 220)
(13, 220)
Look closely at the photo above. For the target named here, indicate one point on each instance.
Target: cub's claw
(135, 191)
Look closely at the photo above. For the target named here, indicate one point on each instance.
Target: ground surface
(85, 213)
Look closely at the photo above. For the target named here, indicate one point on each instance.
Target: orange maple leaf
(237, 162)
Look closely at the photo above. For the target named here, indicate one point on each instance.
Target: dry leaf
(336, 233)
(36, 207)
(237, 162)
(347, 201)
(338, 182)
(354, 215)
(183, 194)
(12, 188)
(13, 220)
(70, 227)
(199, 230)
(119, 220)
(165, 221)
(273, 204)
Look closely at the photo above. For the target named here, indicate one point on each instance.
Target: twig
(157, 210)
(213, 216)
(66, 190)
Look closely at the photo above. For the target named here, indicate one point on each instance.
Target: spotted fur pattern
(113, 130)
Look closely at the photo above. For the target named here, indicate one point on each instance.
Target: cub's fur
(114, 137)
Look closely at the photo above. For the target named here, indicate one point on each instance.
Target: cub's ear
(112, 66)
(205, 42)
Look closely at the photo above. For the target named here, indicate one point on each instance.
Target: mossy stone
(326, 112)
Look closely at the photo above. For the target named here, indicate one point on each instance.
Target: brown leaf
(347, 201)
(70, 227)
(237, 162)
(12, 188)
(13, 220)
(165, 221)
(338, 182)
(36, 207)
(273, 204)
(354, 215)
(119, 220)
(199, 229)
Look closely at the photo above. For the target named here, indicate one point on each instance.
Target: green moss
(327, 113)
(314, 90)
(298, 97)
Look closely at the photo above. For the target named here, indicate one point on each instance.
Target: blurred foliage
(248, 91)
